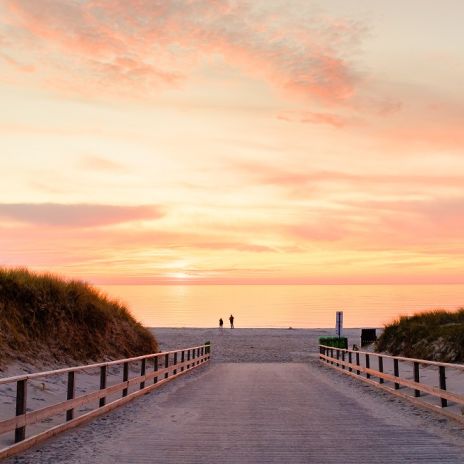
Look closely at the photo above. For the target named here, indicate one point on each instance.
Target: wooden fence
(155, 370)
(391, 374)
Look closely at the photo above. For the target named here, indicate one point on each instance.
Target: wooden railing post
(332, 355)
(166, 365)
(350, 360)
(343, 359)
(396, 372)
(188, 359)
(368, 366)
(102, 384)
(417, 393)
(381, 380)
(182, 359)
(21, 402)
(143, 371)
(442, 378)
(70, 394)
(155, 368)
(193, 357)
(125, 377)
(175, 363)
(358, 363)
(338, 357)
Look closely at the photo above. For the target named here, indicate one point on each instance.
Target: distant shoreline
(260, 328)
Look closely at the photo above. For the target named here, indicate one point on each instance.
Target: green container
(336, 342)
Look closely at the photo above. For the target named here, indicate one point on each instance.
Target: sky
(220, 141)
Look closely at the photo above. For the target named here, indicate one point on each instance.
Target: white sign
(339, 325)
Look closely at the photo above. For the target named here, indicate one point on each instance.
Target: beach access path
(259, 411)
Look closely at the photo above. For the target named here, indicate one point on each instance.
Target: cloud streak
(77, 215)
(308, 117)
(268, 174)
(24, 68)
(98, 163)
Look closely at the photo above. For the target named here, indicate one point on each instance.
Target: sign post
(339, 324)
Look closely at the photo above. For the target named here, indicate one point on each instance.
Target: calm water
(298, 306)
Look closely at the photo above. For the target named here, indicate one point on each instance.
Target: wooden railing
(156, 368)
(392, 372)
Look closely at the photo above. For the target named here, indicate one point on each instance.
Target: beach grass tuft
(48, 318)
(436, 335)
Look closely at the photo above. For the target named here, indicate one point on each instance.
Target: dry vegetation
(45, 317)
(434, 335)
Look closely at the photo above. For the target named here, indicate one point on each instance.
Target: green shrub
(436, 335)
(336, 342)
(45, 316)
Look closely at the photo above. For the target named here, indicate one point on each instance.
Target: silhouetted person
(221, 323)
(231, 319)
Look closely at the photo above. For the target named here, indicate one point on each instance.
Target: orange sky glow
(219, 141)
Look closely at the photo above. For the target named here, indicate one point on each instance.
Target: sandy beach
(252, 345)
(285, 352)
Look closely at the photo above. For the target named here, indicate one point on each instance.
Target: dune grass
(45, 317)
(433, 335)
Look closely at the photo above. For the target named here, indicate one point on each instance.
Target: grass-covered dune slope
(434, 335)
(44, 317)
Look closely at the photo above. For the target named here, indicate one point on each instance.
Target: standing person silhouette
(221, 323)
(231, 319)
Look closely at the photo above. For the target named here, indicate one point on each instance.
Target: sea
(281, 306)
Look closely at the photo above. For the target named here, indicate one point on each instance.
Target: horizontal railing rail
(84, 367)
(165, 366)
(392, 372)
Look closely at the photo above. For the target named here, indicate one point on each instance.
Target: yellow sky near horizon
(233, 141)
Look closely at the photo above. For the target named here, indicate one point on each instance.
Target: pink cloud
(98, 163)
(434, 216)
(77, 215)
(324, 230)
(410, 226)
(98, 239)
(389, 107)
(313, 118)
(423, 137)
(268, 174)
(140, 46)
(24, 68)
(212, 244)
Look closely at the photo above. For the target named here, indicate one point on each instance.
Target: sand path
(254, 413)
